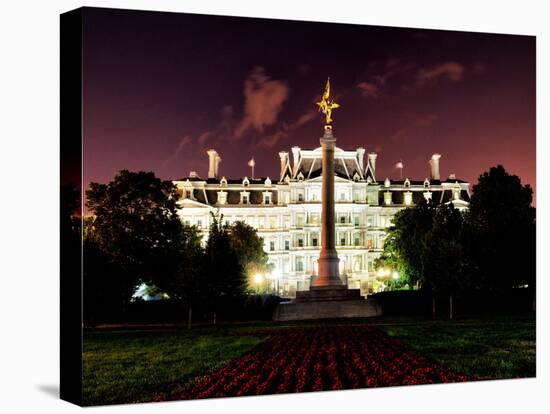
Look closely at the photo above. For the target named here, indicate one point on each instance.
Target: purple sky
(161, 88)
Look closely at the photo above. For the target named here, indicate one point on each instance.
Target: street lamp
(258, 278)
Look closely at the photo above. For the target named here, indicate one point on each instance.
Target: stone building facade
(286, 211)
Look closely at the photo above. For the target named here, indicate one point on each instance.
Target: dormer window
(369, 180)
(356, 177)
(300, 176)
(407, 183)
(246, 183)
(267, 197)
(222, 197)
(223, 182)
(456, 191)
(267, 182)
(426, 183)
(387, 183)
(245, 197)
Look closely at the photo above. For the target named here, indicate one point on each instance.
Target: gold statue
(327, 105)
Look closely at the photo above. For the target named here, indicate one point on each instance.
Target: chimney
(217, 165)
(295, 158)
(372, 161)
(283, 155)
(434, 166)
(361, 158)
(212, 154)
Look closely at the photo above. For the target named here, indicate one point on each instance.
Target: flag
(251, 163)
(399, 165)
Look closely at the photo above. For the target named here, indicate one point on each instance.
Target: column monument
(328, 296)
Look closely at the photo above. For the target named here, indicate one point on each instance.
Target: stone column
(328, 258)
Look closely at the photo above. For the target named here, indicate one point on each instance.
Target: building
(286, 211)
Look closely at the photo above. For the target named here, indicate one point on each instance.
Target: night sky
(162, 88)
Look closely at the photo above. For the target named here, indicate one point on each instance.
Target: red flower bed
(324, 358)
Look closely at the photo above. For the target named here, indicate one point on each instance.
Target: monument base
(322, 293)
(330, 309)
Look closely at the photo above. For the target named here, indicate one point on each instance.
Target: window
(199, 223)
(222, 197)
(342, 219)
(245, 197)
(271, 245)
(387, 198)
(342, 240)
(314, 218)
(287, 244)
(300, 242)
(299, 264)
(342, 196)
(370, 243)
(188, 194)
(356, 221)
(408, 198)
(356, 240)
(267, 199)
(314, 241)
(299, 220)
(300, 197)
(272, 222)
(369, 221)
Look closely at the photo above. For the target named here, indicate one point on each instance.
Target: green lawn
(135, 365)
(129, 366)
(488, 348)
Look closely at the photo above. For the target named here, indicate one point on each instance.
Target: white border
(29, 34)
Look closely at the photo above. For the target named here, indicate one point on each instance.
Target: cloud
(452, 71)
(403, 133)
(183, 142)
(369, 89)
(269, 141)
(384, 71)
(264, 100)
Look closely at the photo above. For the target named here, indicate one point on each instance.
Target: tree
(443, 261)
(224, 276)
(186, 258)
(135, 224)
(502, 223)
(402, 246)
(249, 248)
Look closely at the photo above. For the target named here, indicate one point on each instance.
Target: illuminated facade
(286, 211)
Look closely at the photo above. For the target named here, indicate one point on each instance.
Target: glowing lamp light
(395, 275)
(258, 278)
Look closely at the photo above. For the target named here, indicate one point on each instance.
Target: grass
(134, 365)
(484, 348)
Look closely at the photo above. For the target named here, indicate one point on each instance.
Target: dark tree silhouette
(503, 229)
(224, 276)
(186, 283)
(135, 224)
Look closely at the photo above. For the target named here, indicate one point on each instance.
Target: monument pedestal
(327, 309)
(322, 293)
